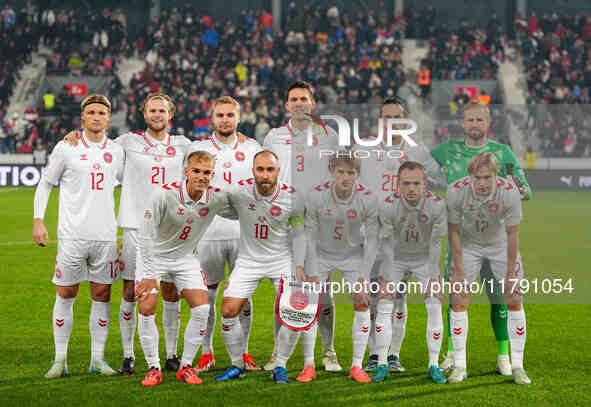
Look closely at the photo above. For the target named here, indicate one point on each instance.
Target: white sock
(326, 322)
(234, 340)
(517, 334)
(63, 321)
(194, 333)
(127, 323)
(361, 325)
(434, 329)
(288, 340)
(212, 294)
(309, 343)
(100, 314)
(245, 322)
(459, 334)
(276, 327)
(399, 317)
(383, 330)
(149, 338)
(373, 312)
(171, 313)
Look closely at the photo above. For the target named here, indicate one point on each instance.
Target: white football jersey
(417, 231)
(379, 172)
(149, 164)
(265, 221)
(173, 224)
(233, 163)
(87, 174)
(337, 224)
(483, 219)
(301, 165)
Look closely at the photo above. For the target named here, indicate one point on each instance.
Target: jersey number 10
(261, 231)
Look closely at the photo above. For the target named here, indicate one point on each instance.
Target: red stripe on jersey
(148, 142)
(83, 139)
(214, 143)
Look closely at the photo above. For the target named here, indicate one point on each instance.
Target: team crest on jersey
(170, 150)
(298, 300)
(251, 207)
(227, 164)
(96, 166)
(275, 210)
(423, 218)
(493, 208)
(239, 156)
(203, 211)
(351, 213)
(108, 158)
(180, 212)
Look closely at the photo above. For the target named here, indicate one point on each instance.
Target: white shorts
(85, 260)
(246, 277)
(402, 271)
(185, 273)
(496, 255)
(350, 269)
(213, 255)
(128, 254)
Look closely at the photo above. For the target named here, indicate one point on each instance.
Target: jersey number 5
(299, 163)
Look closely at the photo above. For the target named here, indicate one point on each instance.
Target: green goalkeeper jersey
(454, 155)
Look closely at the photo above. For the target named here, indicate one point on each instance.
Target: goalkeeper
(453, 156)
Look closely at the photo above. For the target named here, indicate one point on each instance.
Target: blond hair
(475, 104)
(225, 100)
(344, 157)
(95, 98)
(201, 156)
(487, 160)
(159, 96)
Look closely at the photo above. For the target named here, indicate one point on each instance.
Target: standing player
(336, 213)
(413, 222)
(484, 212)
(302, 167)
(87, 231)
(453, 156)
(172, 227)
(267, 210)
(220, 242)
(380, 174)
(153, 159)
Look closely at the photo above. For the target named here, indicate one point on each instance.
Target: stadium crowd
(557, 57)
(351, 58)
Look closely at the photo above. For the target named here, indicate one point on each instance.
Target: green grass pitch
(555, 243)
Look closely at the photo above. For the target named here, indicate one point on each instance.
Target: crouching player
(336, 213)
(171, 229)
(484, 212)
(414, 222)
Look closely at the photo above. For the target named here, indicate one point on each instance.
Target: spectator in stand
(40, 153)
